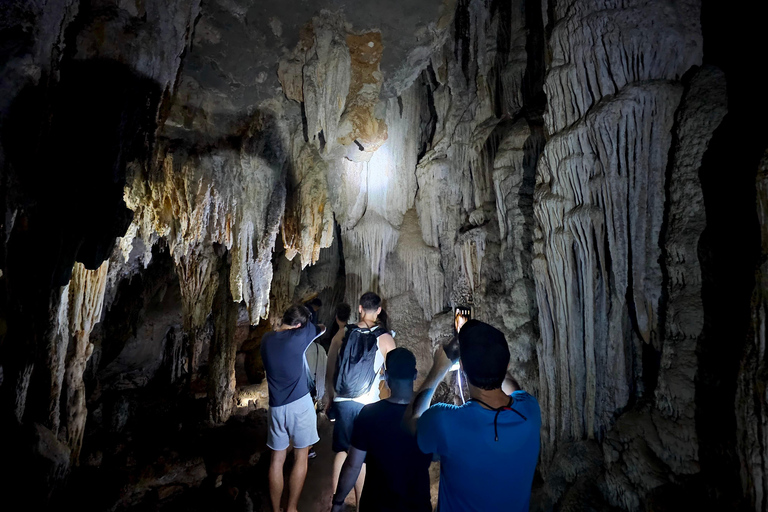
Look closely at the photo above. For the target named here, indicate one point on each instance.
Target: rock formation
(175, 174)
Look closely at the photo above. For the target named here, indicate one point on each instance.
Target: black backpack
(355, 370)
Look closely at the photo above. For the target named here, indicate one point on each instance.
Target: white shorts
(293, 424)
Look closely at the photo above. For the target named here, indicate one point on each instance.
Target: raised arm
(349, 473)
(386, 343)
(510, 385)
(423, 397)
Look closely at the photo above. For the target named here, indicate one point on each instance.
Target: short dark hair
(315, 302)
(401, 364)
(484, 354)
(296, 315)
(370, 301)
(343, 311)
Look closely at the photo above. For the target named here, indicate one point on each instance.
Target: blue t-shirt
(283, 356)
(478, 473)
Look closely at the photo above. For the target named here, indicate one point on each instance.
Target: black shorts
(345, 414)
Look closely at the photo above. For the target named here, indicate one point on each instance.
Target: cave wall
(545, 162)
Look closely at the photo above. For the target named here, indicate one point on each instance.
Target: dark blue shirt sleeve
(307, 335)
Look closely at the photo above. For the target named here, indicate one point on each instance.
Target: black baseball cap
(401, 364)
(484, 354)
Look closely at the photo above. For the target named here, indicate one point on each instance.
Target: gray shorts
(293, 424)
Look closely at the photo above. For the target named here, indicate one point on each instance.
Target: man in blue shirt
(292, 419)
(488, 448)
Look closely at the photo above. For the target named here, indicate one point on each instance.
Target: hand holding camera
(462, 315)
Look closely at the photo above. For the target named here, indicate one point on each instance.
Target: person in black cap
(488, 448)
(397, 477)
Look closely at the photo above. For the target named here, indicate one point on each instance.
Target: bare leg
(298, 474)
(359, 487)
(276, 478)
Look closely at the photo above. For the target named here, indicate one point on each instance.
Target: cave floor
(317, 492)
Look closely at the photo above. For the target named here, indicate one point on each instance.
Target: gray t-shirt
(317, 360)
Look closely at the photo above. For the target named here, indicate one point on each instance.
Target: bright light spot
(380, 168)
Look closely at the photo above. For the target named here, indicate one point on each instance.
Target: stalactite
(233, 198)
(86, 298)
(326, 78)
(597, 50)
(307, 225)
(366, 247)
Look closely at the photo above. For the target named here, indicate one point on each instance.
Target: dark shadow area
(729, 247)
(67, 148)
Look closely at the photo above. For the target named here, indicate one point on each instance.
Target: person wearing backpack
(292, 419)
(355, 361)
(397, 478)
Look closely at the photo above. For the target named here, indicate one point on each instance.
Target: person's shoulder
(369, 413)
(266, 338)
(526, 400)
(523, 396)
(440, 409)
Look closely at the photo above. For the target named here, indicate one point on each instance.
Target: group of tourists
(385, 435)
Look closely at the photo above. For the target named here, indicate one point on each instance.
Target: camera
(462, 314)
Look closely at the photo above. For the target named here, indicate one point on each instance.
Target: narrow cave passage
(588, 178)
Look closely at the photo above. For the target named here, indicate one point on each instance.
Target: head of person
(400, 367)
(315, 303)
(343, 312)
(296, 316)
(484, 354)
(370, 304)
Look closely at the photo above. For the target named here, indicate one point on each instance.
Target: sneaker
(312, 453)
